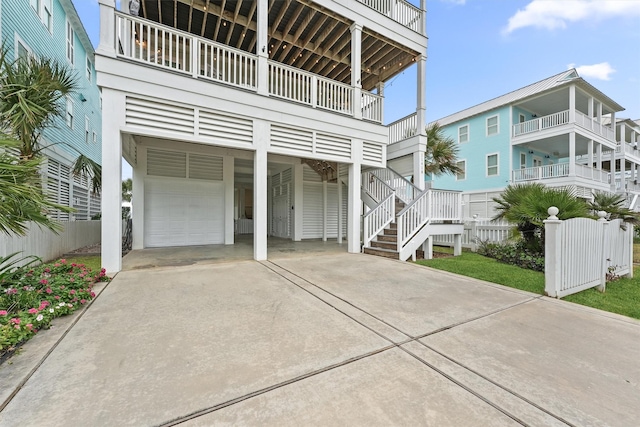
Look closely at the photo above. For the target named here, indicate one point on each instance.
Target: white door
(183, 212)
(281, 215)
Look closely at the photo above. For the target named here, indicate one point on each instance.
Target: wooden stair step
(386, 253)
(387, 238)
(384, 245)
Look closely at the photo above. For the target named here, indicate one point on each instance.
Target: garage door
(183, 212)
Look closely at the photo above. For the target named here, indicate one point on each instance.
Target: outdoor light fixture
(530, 151)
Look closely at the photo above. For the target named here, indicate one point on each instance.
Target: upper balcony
(562, 118)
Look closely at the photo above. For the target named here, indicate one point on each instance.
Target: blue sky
(481, 49)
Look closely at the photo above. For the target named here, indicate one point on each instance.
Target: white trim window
(69, 115)
(44, 8)
(521, 118)
(492, 164)
(493, 125)
(70, 43)
(87, 130)
(463, 134)
(22, 50)
(523, 160)
(95, 137)
(462, 175)
(89, 69)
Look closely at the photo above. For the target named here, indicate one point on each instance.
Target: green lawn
(622, 296)
(91, 261)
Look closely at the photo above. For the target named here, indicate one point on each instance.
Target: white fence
(47, 245)
(580, 252)
(476, 231)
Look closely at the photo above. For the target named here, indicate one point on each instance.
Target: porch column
(613, 125)
(356, 72)
(599, 113)
(340, 207)
(423, 23)
(107, 28)
(418, 166)
(623, 135)
(623, 176)
(262, 48)
(572, 154)
(260, 141)
(113, 102)
(324, 210)
(355, 204)
(590, 155)
(572, 104)
(599, 157)
(137, 197)
(228, 179)
(590, 108)
(421, 107)
(612, 171)
(297, 202)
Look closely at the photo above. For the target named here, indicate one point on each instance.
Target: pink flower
(93, 294)
(17, 326)
(47, 270)
(3, 312)
(82, 275)
(103, 270)
(72, 292)
(83, 301)
(33, 311)
(75, 299)
(44, 304)
(71, 279)
(56, 265)
(26, 288)
(63, 261)
(48, 290)
(44, 281)
(11, 291)
(73, 264)
(15, 321)
(61, 286)
(56, 297)
(29, 326)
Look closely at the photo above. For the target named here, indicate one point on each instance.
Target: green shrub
(517, 254)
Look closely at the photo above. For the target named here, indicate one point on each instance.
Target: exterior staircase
(401, 217)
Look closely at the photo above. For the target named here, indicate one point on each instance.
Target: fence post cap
(602, 215)
(553, 211)
(475, 216)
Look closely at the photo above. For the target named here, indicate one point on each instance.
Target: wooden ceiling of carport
(301, 34)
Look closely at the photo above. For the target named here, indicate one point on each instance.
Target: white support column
(114, 103)
(623, 171)
(599, 114)
(297, 201)
(427, 248)
(572, 104)
(423, 26)
(228, 165)
(421, 96)
(260, 141)
(262, 48)
(613, 121)
(623, 134)
(107, 46)
(356, 72)
(340, 208)
(599, 156)
(418, 168)
(457, 244)
(354, 203)
(590, 108)
(590, 152)
(137, 197)
(324, 210)
(572, 154)
(612, 170)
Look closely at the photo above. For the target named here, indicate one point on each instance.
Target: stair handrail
(405, 190)
(374, 221)
(375, 187)
(413, 217)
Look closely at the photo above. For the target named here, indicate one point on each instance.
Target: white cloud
(551, 15)
(601, 71)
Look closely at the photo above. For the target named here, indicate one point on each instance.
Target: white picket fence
(475, 231)
(47, 245)
(580, 252)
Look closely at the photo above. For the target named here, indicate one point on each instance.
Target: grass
(622, 296)
(636, 252)
(94, 262)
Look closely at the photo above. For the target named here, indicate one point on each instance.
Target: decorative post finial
(553, 212)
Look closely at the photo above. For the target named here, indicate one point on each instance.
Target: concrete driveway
(333, 339)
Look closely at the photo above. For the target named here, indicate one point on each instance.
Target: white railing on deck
(477, 231)
(228, 65)
(586, 122)
(165, 47)
(541, 123)
(405, 190)
(628, 149)
(291, 83)
(541, 172)
(584, 171)
(445, 205)
(371, 106)
(403, 129)
(400, 11)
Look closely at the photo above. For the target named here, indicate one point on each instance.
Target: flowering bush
(30, 297)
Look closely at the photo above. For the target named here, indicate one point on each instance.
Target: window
(492, 165)
(89, 68)
(43, 9)
(492, 125)
(95, 138)
(70, 42)
(35, 4)
(87, 131)
(521, 118)
(22, 50)
(69, 112)
(523, 160)
(462, 175)
(463, 134)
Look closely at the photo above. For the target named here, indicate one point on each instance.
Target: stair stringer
(369, 201)
(429, 229)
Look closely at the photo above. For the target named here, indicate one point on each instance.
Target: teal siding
(475, 152)
(18, 18)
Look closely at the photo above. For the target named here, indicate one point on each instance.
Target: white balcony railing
(629, 149)
(559, 119)
(403, 129)
(400, 11)
(560, 170)
(161, 46)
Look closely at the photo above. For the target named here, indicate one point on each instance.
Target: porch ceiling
(301, 34)
(558, 100)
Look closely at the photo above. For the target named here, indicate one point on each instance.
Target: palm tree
(441, 156)
(526, 205)
(20, 192)
(613, 205)
(32, 91)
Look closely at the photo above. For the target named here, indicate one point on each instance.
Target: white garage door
(183, 212)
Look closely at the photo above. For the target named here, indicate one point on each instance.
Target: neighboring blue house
(556, 131)
(52, 28)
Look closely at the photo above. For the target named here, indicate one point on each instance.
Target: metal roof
(555, 81)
